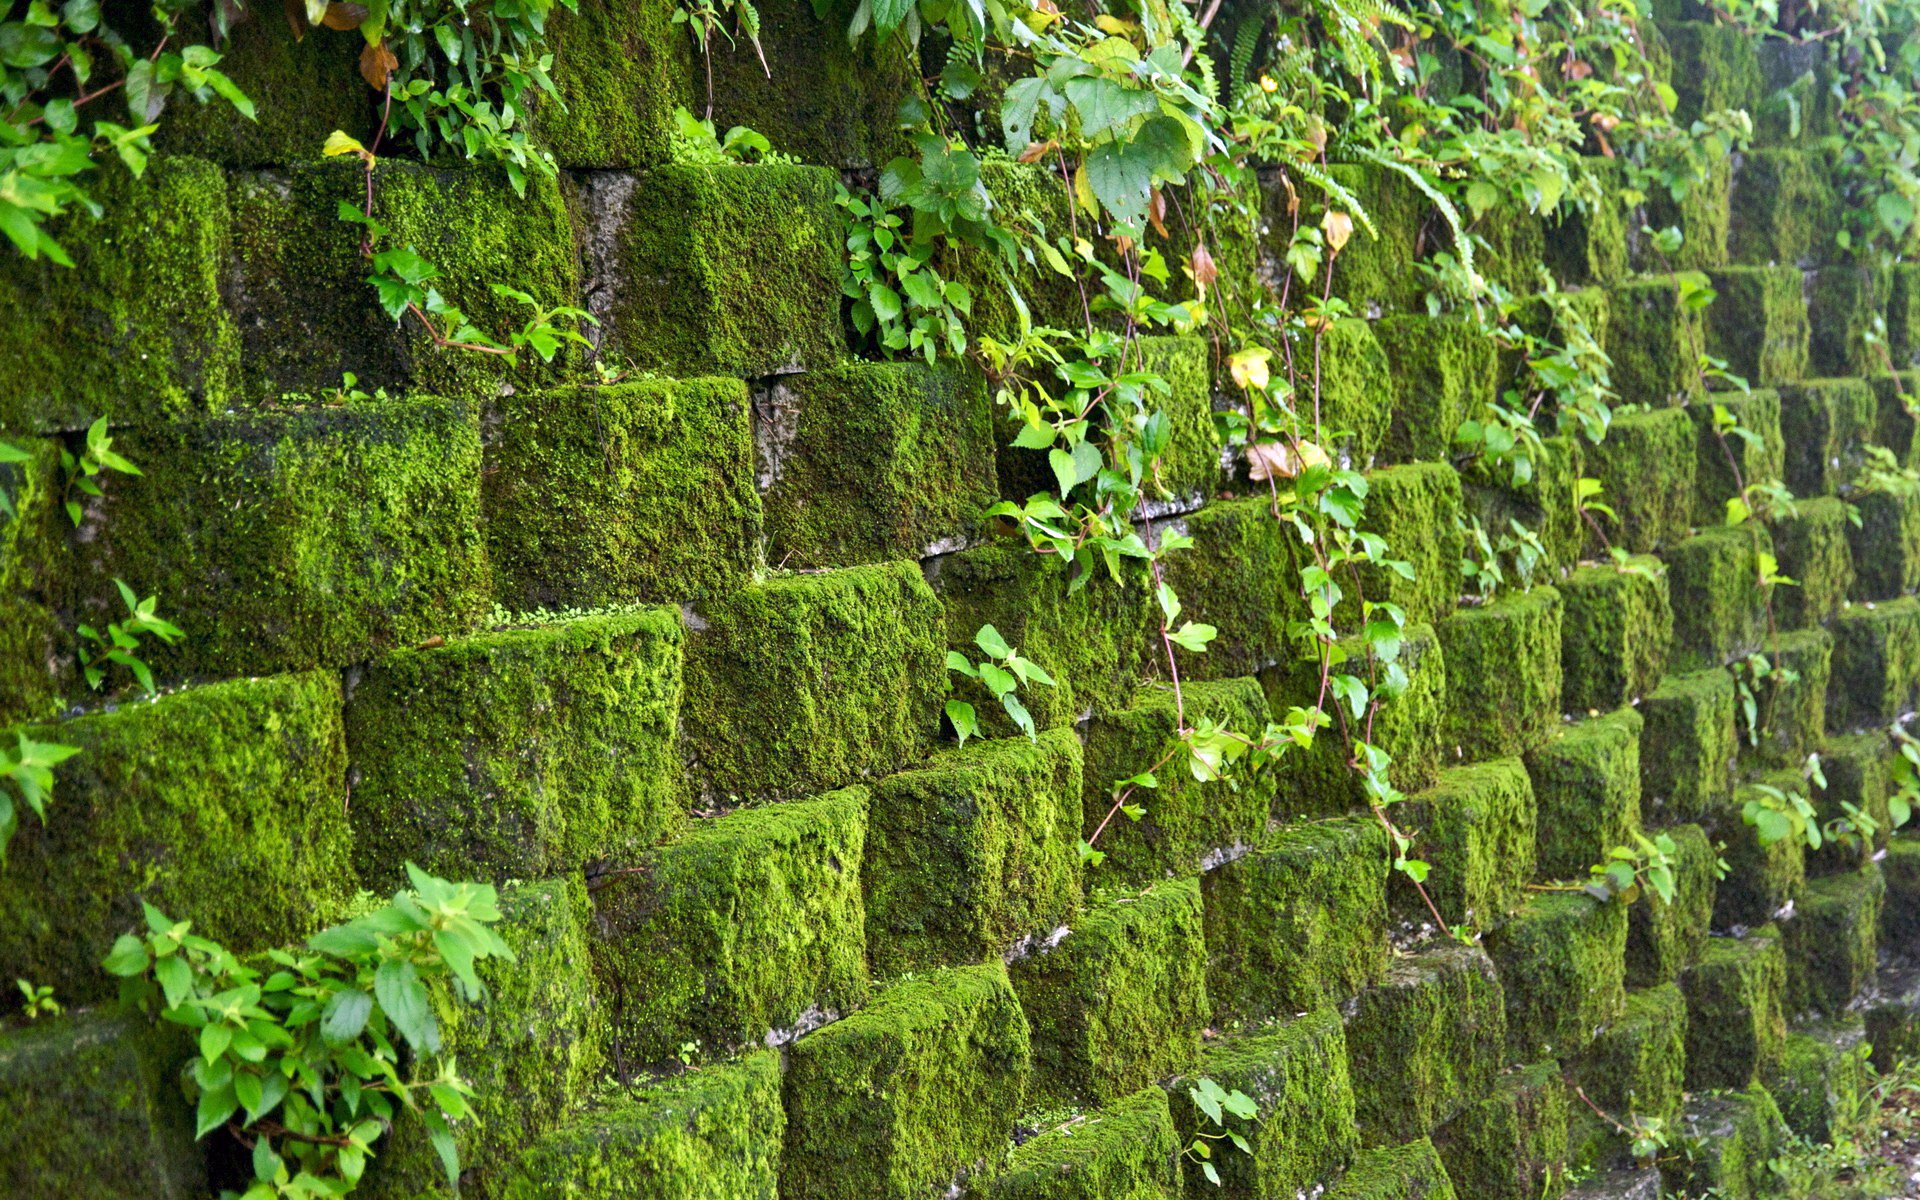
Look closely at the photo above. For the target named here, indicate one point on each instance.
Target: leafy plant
(1216, 1104)
(1628, 871)
(26, 770)
(120, 644)
(308, 1056)
(37, 1000)
(1002, 673)
(80, 470)
(697, 143)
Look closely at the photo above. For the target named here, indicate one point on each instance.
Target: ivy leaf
(1194, 636)
(176, 979)
(404, 999)
(965, 723)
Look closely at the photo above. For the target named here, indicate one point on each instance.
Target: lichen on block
(1823, 1078)
(1653, 340)
(1876, 664)
(1636, 1065)
(1824, 422)
(711, 1134)
(1126, 1150)
(1513, 1144)
(1475, 828)
(1647, 466)
(1442, 371)
(1296, 1074)
(1615, 630)
(915, 1090)
(1425, 1042)
(1718, 455)
(1586, 783)
(1687, 746)
(804, 682)
(1503, 674)
(748, 929)
(1831, 940)
(1120, 1000)
(1410, 1172)
(1783, 208)
(1758, 323)
(1814, 549)
(518, 754)
(607, 495)
(1719, 603)
(729, 270)
(222, 804)
(298, 538)
(1300, 922)
(1562, 964)
(1735, 1026)
(972, 853)
(1665, 938)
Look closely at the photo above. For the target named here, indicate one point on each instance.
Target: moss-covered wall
(664, 650)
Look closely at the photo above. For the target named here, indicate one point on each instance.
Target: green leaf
(176, 979)
(345, 1016)
(404, 999)
(127, 958)
(989, 640)
(965, 723)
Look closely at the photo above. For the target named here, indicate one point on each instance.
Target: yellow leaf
(339, 143)
(1083, 192)
(1249, 367)
(1277, 460)
(1338, 227)
(1113, 25)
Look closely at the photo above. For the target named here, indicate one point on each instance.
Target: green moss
(1823, 1079)
(135, 330)
(1653, 340)
(1893, 1020)
(873, 461)
(33, 551)
(223, 805)
(303, 88)
(1588, 244)
(531, 1047)
(1615, 630)
(1189, 470)
(712, 1134)
(1716, 457)
(1701, 212)
(1356, 390)
(1410, 1172)
(1900, 915)
(293, 539)
(1824, 423)
(807, 681)
(1127, 1150)
(1896, 424)
(1425, 1042)
(604, 495)
(1664, 939)
(1511, 242)
(1792, 703)
(1847, 306)
(1647, 467)
(973, 852)
(1586, 779)
(1715, 68)
(1687, 746)
(1813, 547)
(1719, 603)
(730, 270)
(1028, 196)
(1885, 545)
(1737, 1137)
(1562, 964)
(1296, 1074)
(1858, 768)
(747, 927)
(1300, 922)
(1475, 829)
(521, 754)
(903, 1096)
(1876, 663)
(1119, 1001)
(1758, 323)
(1241, 575)
(1513, 1144)
(1442, 371)
(94, 1108)
(1544, 504)
(1415, 508)
(1503, 674)
(1635, 1065)
(1187, 824)
(1903, 315)
(1784, 209)
(1373, 274)
(1799, 105)
(1735, 1030)
(1831, 940)
(619, 71)
(1761, 878)
(1092, 639)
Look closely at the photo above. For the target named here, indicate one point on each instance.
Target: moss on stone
(1823, 1079)
(1783, 208)
(1410, 1172)
(803, 682)
(711, 1134)
(1120, 1000)
(1738, 1136)
(1126, 1150)
(1653, 340)
(748, 928)
(1503, 674)
(1800, 102)
(1847, 305)
(1735, 1027)
(1893, 1018)
(1586, 781)
(1586, 243)
(1637, 1063)
(1885, 545)
(1374, 273)
(1442, 370)
(1831, 940)
(1415, 508)
(1189, 470)
(1758, 323)
(1876, 663)
(1647, 467)
(1513, 1144)
(1615, 630)
(973, 852)
(33, 555)
(1900, 915)
(1510, 244)
(1241, 575)
(1903, 315)
(605, 495)
(1897, 423)
(619, 70)
(1544, 504)
(1687, 746)
(1715, 68)
(900, 1098)
(302, 89)
(519, 754)
(1716, 456)
(1296, 1073)
(94, 1108)
(135, 330)
(1761, 877)
(1425, 1042)
(1824, 423)
(1475, 828)
(223, 805)
(731, 270)
(1719, 603)
(293, 539)
(1699, 207)
(1814, 550)
(1356, 390)
(1562, 964)
(1792, 702)
(1300, 922)
(1858, 768)
(1664, 939)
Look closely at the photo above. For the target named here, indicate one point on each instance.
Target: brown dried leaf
(377, 64)
(344, 16)
(1157, 211)
(1036, 151)
(1204, 270)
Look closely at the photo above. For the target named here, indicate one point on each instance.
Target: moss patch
(1824, 423)
(1513, 1144)
(1735, 1030)
(1739, 1135)
(1543, 504)
(1503, 674)
(1442, 371)
(1415, 508)
(301, 87)
(1615, 630)
(1636, 1064)
(1823, 1078)
(1715, 68)
(1847, 305)
(1900, 915)
(1687, 746)
(1885, 545)
(1241, 575)
(1761, 878)
(1858, 768)
(1784, 209)
(1128, 1150)
(1475, 828)
(1425, 1042)
(1813, 547)
(1793, 701)
(1831, 940)
(33, 550)
(1758, 323)
(1653, 339)
(1410, 1172)
(1586, 780)
(1664, 939)
(1719, 604)
(620, 70)
(1876, 663)
(1646, 466)
(1373, 274)
(1717, 456)
(1562, 964)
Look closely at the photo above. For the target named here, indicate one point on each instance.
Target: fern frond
(1246, 40)
(1462, 243)
(1337, 192)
